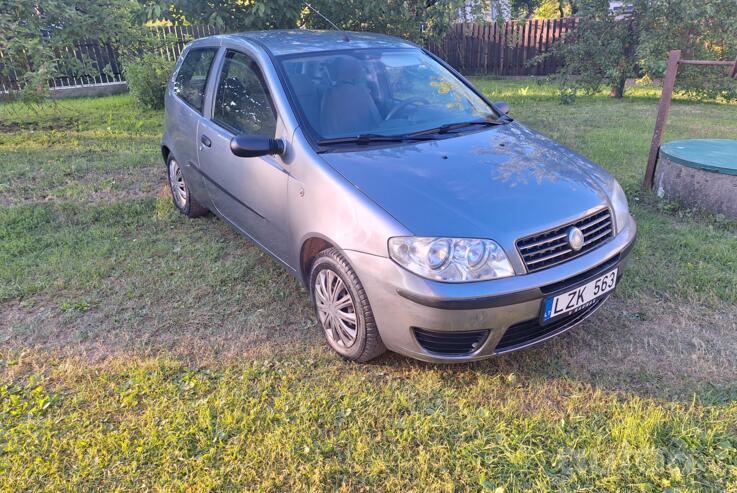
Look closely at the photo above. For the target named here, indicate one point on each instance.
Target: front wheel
(342, 308)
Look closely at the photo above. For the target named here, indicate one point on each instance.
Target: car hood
(502, 183)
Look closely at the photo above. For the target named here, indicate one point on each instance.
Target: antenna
(345, 36)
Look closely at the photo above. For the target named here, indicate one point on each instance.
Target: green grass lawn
(140, 350)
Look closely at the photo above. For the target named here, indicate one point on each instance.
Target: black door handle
(205, 141)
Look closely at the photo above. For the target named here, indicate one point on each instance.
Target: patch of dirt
(126, 184)
(646, 346)
(48, 124)
(92, 187)
(210, 332)
(11, 315)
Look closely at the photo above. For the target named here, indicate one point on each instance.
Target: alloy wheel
(336, 309)
(177, 184)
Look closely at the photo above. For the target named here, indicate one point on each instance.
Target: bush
(36, 39)
(702, 30)
(147, 78)
(608, 47)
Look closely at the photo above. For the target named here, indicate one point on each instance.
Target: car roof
(290, 41)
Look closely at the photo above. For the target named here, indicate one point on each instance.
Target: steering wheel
(403, 104)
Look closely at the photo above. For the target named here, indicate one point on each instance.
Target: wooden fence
(472, 48)
(503, 49)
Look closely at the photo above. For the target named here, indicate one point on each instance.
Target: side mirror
(502, 106)
(255, 146)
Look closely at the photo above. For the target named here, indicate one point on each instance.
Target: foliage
(410, 19)
(600, 51)
(35, 33)
(549, 9)
(702, 30)
(525, 8)
(416, 20)
(541, 9)
(228, 15)
(147, 77)
(607, 47)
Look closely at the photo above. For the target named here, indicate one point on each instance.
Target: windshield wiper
(421, 135)
(369, 138)
(447, 127)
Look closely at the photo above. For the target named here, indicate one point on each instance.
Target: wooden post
(665, 98)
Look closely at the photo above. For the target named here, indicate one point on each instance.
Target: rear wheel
(342, 308)
(180, 192)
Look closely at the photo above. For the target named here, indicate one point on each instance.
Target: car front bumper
(403, 302)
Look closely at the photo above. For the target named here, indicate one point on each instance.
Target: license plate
(580, 298)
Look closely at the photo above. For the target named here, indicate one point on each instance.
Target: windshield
(386, 92)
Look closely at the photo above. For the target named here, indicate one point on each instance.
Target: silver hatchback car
(419, 215)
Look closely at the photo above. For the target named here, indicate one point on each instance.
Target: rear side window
(243, 104)
(192, 77)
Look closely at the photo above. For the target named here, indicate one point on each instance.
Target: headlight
(451, 259)
(619, 205)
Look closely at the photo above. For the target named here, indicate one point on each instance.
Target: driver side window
(242, 102)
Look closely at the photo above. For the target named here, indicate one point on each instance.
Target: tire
(180, 191)
(331, 273)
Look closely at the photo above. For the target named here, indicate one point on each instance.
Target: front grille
(526, 333)
(551, 247)
(450, 343)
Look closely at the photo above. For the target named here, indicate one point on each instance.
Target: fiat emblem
(575, 238)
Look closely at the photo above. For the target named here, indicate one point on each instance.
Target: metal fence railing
(95, 63)
(174, 38)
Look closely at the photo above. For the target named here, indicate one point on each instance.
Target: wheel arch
(165, 152)
(311, 248)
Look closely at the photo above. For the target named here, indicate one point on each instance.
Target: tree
(525, 8)
(600, 51)
(702, 30)
(416, 20)
(410, 19)
(228, 15)
(541, 9)
(34, 33)
(549, 9)
(608, 47)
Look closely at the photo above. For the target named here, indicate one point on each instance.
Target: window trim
(262, 80)
(215, 50)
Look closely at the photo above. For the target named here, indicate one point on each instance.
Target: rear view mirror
(502, 106)
(255, 146)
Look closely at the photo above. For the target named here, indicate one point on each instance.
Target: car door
(251, 193)
(184, 107)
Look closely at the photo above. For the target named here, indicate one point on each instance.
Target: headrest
(348, 70)
(302, 85)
